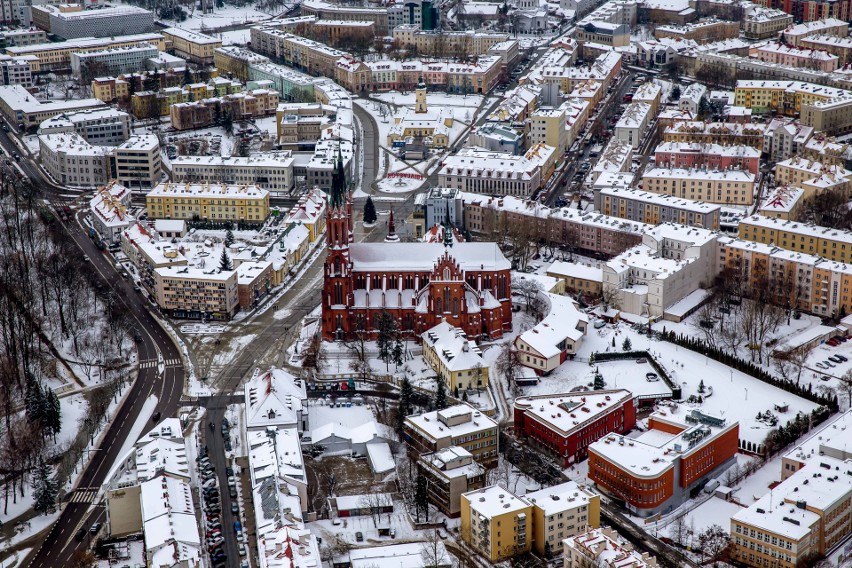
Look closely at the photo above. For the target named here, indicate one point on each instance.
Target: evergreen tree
(421, 497)
(441, 395)
(225, 261)
(45, 489)
(675, 94)
(34, 400)
(54, 417)
(370, 216)
(187, 75)
(613, 341)
(701, 386)
(406, 394)
(627, 345)
(229, 238)
(599, 382)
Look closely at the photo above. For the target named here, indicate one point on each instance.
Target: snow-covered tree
(45, 489)
(370, 216)
(225, 261)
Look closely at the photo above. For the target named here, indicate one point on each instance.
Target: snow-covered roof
(407, 257)
(161, 455)
(563, 322)
(192, 37)
(561, 268)
(494, 500)
(362, 434)
(274, 398)
(812, 27)
(453, 348)
(657, 450)
(110, 205)
(661, 199)
(381, 458)
(568, 412)
(733, 150)
(783, 199)
(773, 223)
(636, 115)
(699, 174)
(436, 423)
(409, 555)
(453, 462)
(559, 498)
(208, 190)
(168, 520)
(355, 502)
(605, 547)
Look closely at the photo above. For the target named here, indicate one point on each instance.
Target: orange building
(655, 472)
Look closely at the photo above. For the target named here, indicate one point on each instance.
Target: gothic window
(438, 306)
(338, 294)
(455, 307)
(447, 299)
(446, 274)
(337, 266)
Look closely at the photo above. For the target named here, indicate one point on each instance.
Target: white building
(442, 204)
(23, 36)
(633, 124)
(276, 399)
(168, 517)
(672, 262)
(616, 157)
(272, 171)
(109, 211)
(690, 98)
(16, 71)
(71, 161)
(479, 171)
(112, 61)
(785, 138)
(138, 163)
(101, 22)
(554, 339)
(277, 473)
(101, 126)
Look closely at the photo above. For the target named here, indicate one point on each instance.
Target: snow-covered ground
(220, 17)
(320, 414)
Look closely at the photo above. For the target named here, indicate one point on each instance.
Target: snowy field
(226, 16)
(320, 414)
(616, 374)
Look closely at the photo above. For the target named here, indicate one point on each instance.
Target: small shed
(381, 459)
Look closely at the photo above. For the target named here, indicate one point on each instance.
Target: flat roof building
(459, 425)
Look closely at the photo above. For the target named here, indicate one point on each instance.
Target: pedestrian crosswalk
(83, 495)
(153, 363)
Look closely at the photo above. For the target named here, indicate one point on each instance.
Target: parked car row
(835, 341)
(212, 510)
(831, 362)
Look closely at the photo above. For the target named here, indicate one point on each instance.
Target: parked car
(359, 536)
(80, 535)
(235, 509)
(821, 366)
(835, 359)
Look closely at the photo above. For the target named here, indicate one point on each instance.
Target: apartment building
(19, 106)
(496, 523)
(475, 170)
(722, 133)
(657, 208)
(99, 126)
(832, 116)
(196, 293)
(73, 162)
(603, 33)
(765, 23)
(328, 11)
(24, 36)
(653, 476)
(547, 126)
(783, 202)
(234, 60)
(219, 202)
(784, 97)
(733, 187)
(113, 60)
(100, 22)
(138, 163)
(617, 157)
(455, 359)
(16, 71)
(560, 512)
(591, 233)
(192, 46)
(578, 278)
(806, 282)
(833, 244)
(814, 26)
(603, 548)
(53, 56)
(272, 171)
(702, 31)
(839, 46)
(785, 138)
(633, 124)
(807, 515)
(563, 425)
(445, 43)
(450, 472)
(796, 56)
(812, 176)
(672, 261)
(307, 55)
(238, 106)
(109, 213)
(110, 89)
(556, 338)
(459, 425)
(707, 155)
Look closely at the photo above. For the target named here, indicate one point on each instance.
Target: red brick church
(419, 284)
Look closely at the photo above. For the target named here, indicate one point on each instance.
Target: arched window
(338, 294)
(438, 306)
(447, 299)
(337, 266)
(446, 274)
(455, 307)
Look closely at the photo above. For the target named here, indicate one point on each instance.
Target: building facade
(459, 425)
(244, 203)
(495, 523)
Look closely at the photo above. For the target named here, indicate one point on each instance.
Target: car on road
(842, 358)
(242, 549)
(86, 258)
(95, 528)
(80, 535)
(156, 416)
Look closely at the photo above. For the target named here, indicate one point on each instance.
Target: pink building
(796, 56)
(710, 156)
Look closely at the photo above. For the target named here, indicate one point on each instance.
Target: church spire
(338, 181)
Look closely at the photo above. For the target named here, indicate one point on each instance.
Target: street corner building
(658, 470)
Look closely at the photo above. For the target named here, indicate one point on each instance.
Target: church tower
(420, 97)
(337, 284)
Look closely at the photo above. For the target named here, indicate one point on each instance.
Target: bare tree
(433, 552)
(679, 530)
(713, 541)
(509, 365)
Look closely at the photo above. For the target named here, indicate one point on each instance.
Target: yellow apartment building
(785, 97)
(578, 278)
(495, 523)
(712, 186)
(560, 512)
(454, 358)
(193, 46)
(110, 89)
(215, 202)
(833, 244)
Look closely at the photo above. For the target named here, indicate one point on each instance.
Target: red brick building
(656, 471)
(710, 156)
(565, 425)
(418, 284)
(810, 10)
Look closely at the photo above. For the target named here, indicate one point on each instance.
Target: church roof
(423, 256)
